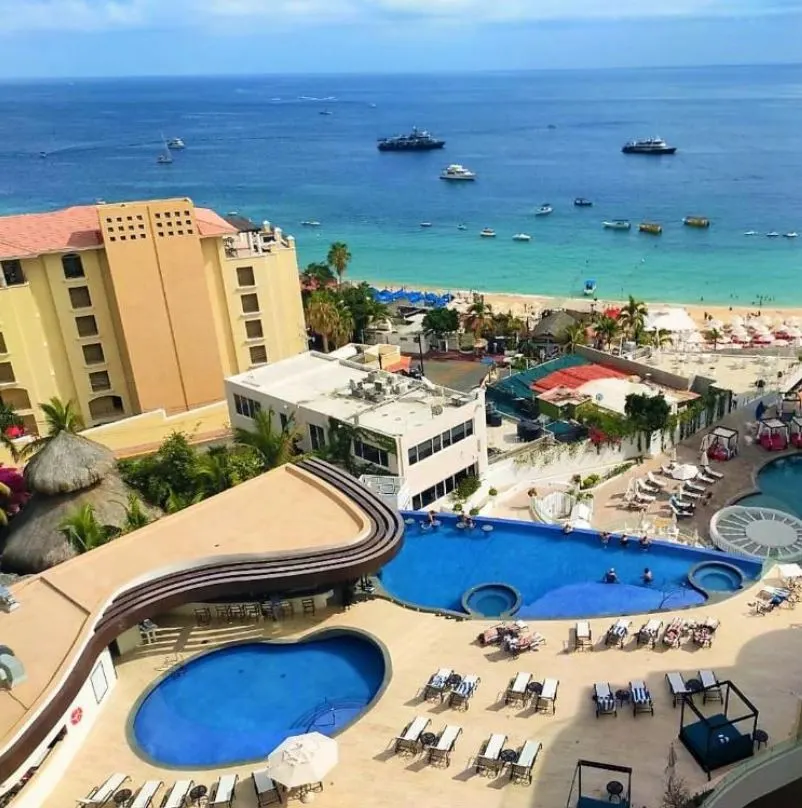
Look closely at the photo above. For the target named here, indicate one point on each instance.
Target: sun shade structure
(720, 739)
(757, 531)
(302, 760)
(591, 786)
(720, 444)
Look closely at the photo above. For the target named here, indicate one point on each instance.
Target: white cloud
(93, 15)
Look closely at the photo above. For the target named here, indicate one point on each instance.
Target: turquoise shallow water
(259, 145)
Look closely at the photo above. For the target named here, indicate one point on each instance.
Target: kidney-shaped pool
(236, 704)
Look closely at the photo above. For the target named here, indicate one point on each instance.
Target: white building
(428, 436)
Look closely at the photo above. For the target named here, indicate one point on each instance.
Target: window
(439, 442)
(93, 353)
(73, 266)
(458, 433)
(106, 407)
(246, 407)
(317, 436)
(99, 381)
(371, 453)
(258, 354)
(442, 488)
(3, 348)
(12, 272)
(245, 276)
(253, 329)
(86, 325)
(6, 373)
(250, 304)
(80, 297)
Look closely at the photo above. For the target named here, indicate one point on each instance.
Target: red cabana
(795, 428)
(721, 444)
(773, 435)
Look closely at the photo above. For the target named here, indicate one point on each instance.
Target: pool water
(780, 483)
(492, 601)
(558, 576)
(237, 704)
(719, 580)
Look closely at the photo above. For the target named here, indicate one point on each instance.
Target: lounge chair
(176, 797)
(440, 753)
(521, 770)
(436, 686)
(646, 487)
(461, 695)
(144, 797)
(548, 696)
(408, 742)
(712, 472)
(648, 632)
(668, 471)
(488, 761)
(493, 635)
(265, 788)
(711, 688)
(706, 478)
(222, 792)
(618, 633)
(653, 481)
(517, 690)
(680, 513)
(672, 636)
(644, 498)
(583, 636)
(704, 633)
(605, 700)
(516, 645)
(640, 697)
(697, 489)
(677, 686)
(103, 794)
(687, 492)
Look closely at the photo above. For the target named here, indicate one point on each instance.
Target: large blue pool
(556, 575)
(238, 703)
(780, 484)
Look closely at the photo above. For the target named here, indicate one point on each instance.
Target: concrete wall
(663, 377)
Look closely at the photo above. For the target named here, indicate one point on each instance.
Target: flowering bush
(13, 493)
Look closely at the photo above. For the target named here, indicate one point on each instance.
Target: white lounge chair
(704, 477)
(583, 637)
(176, 797)
(461, 695)
(646, 487)
(436, 686)
(654, 481)
(144, 797)
(697, 489)
(102, 794)
(517, 692)
(641, 698)
(677, 686)
(605, 700)
(641, 497)
(265, 788)
(440, 753)
(712, 689)
(521, 770)
(408, 742)
(618, 632)
(712, 472)
(488, 760)
(222, 792)
(548, 696)
(686, 492)
(649, 632)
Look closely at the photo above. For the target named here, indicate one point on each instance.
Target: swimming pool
(780, 483)
(558, 576)
(237, 703)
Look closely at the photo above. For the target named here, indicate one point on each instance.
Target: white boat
(751, 233)
(488, 233)
(544, 210)
(773, 234)
(617, 224)
(176, 143)
(164, 159)
(791, 235)
(462, 227)
(522, 237)
(457, 173)
(425, 224)
(310, 223)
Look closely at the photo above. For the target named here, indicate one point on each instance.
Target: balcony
(255, 243)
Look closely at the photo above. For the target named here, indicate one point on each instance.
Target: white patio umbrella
(302, 759)
(685, 471)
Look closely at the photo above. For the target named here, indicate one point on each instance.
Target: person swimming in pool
(568, 528)
(610, 576)
(644, 542)
(647, 576)
(624, 540)
(431, 519)
(604, 536)
(469, 523)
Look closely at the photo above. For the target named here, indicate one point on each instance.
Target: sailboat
(165, 158)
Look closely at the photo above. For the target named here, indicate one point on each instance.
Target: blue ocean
(259, 146)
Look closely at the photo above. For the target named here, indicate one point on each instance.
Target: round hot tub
(712, 577)
(492, 600)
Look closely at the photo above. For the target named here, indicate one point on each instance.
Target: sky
(75, 38)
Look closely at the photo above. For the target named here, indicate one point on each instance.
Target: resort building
(139, 306)
(425, 436)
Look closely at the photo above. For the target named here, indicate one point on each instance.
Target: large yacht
(651, 145)
(416, 140)
(457, 172)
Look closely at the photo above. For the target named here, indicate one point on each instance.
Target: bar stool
(203, 617)
(308, 606)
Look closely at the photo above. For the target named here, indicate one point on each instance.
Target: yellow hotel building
(139, 306)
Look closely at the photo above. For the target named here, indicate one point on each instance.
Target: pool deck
(762, 655)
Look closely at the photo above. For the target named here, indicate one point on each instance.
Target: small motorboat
(176, 144)
(522, 237)
(617, 224)
(488, 233)
(310, 223)
(773, 234)
(696, 221)
(590, 287)
(751, 233)
(544, 210)
(325, 112)
(456, 172)
(792, 234)
(43, 155)
(462, 227)
(425, 224)
(164, 159)
(652, 228)
(581, 202)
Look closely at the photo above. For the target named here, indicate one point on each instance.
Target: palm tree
(82, 529)
(344, 325)
(275, 448)
(135, 516)
(214, 470)
(338, 259)
(659, 338)
(574, 335)
(177, 502)
(715, 336)
(607, 329)
(323, 317)
(478, 317)
(59, 417)
(633, 317)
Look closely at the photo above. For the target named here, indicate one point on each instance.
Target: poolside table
(614, 790)
(508, 755)
(122, 796)
(197, 793)
(428, 739)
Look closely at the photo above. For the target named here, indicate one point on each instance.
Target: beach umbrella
(302, 759)
(685, 471)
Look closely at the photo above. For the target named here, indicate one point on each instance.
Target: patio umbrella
(686, 471)
(302, 759)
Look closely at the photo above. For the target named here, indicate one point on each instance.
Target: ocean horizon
(259, 145)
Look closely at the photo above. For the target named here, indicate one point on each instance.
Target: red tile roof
(574, 377)
(75, 228)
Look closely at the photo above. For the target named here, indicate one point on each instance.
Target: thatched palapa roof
(68, 463)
